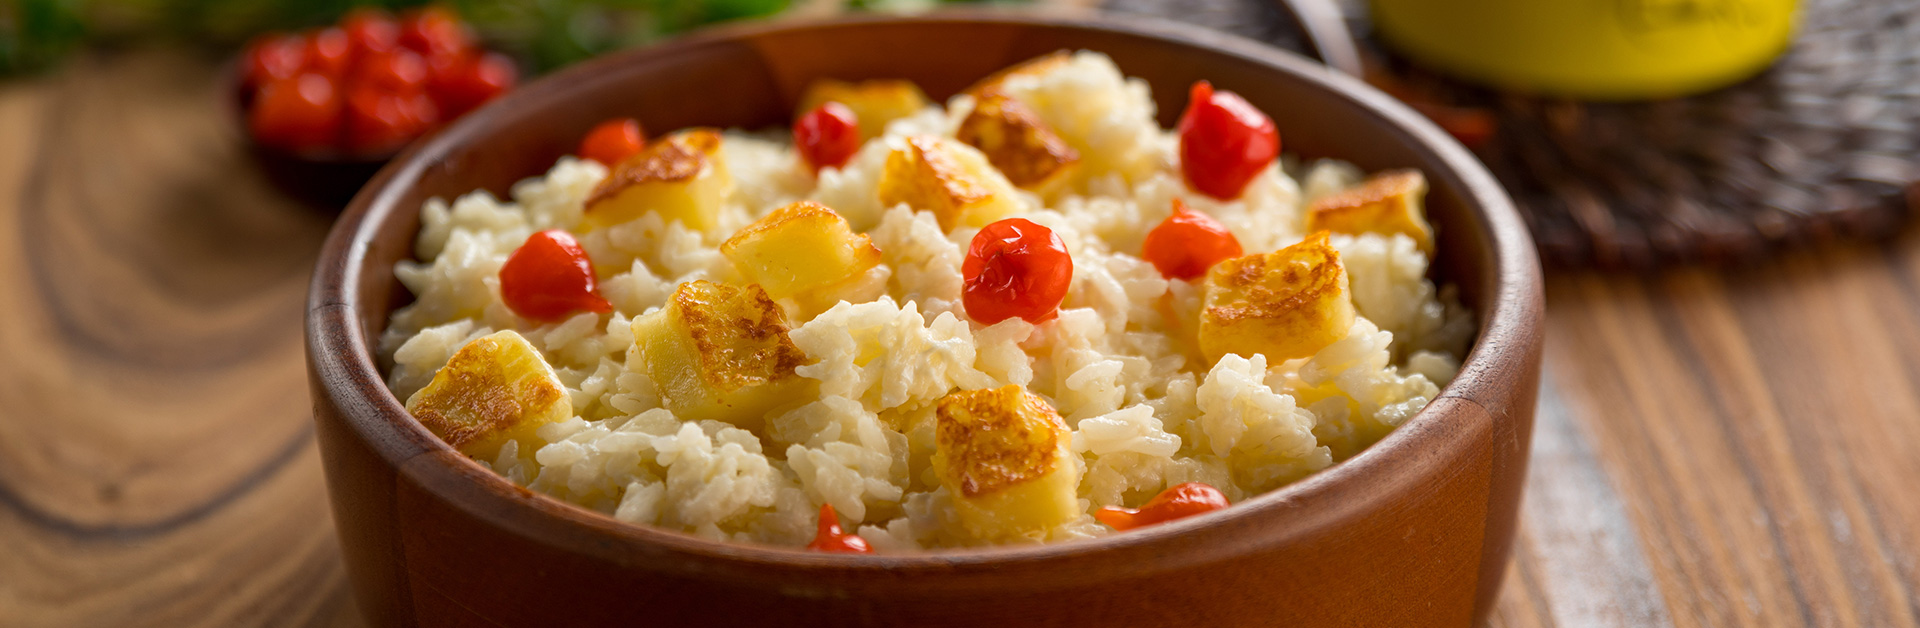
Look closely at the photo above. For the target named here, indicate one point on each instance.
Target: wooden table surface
(1714, 447)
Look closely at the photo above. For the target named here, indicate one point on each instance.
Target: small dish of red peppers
(365, 87)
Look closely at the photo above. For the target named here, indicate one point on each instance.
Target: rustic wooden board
(1713, 448)
(1761, 427)
(157, 464)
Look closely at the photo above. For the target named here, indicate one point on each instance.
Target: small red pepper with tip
(828, 136)
(549, 278)
(832, 539)
(1015, 267)
(1224, 142)
(1180, 501)
(613, 141)
(1188, 243)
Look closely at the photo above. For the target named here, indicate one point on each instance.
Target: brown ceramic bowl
(1414, 531)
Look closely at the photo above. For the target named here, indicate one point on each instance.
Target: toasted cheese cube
(720, 352)
(800, 248)
(1083, 96)
(495, 389)
(874, 103)
(1389, 203)
(1036, 66)
(1287, 304)
(1014, 140)
(1004, 455)
(808, 254)
(950, 179)
(682, 177)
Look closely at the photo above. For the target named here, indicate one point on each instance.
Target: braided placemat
(1821, 146)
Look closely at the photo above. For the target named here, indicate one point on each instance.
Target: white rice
(1146, 413)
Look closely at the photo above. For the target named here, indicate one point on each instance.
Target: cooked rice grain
(1119, 362)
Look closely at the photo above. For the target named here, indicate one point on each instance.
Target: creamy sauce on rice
(1142, 409)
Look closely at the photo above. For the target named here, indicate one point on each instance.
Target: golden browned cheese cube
(948, 178)
(874, 103)
(1005, 456)
(1388, 203)
(721, 352)
(1031, 67)
(495, 389)
(800, 249)
(682, 177)
(1287, 304)
(1014, 140)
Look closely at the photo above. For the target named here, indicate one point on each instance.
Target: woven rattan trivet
(1819, 147)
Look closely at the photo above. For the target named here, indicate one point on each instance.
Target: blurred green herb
(35, 34)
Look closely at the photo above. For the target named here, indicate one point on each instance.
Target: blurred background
(545, 34)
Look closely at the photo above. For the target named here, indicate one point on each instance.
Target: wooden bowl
(1414, 531)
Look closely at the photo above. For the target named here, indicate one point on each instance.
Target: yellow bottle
(1592, 49)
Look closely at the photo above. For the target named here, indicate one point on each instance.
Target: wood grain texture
(157, 465)
(1747, 438)
(1760, 428)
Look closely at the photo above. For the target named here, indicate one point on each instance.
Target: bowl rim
(342, 366)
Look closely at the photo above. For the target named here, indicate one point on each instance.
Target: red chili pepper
(1224, 142)
(1015, 267)
(832, 539)
(1180, 501)
(398, 70)
(380, 70)
(1188, 243)
(435, 30)
(371, 30)
(464, 83)
(827, 136)
(329, 52)
(297, 113)
(549, 278)
(613, 141)
(274, 56)
(380, 121)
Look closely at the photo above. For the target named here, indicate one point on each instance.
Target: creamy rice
(1146, 413)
